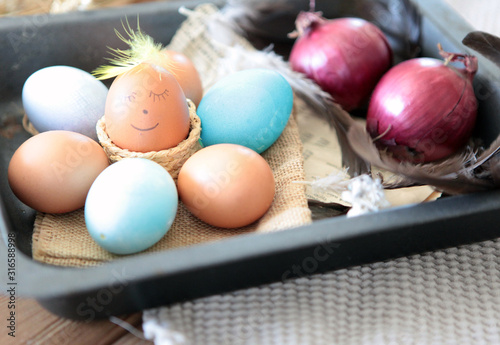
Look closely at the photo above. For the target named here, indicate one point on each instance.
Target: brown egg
(226, 185)
(146, 110)
(186, 74)
(52, 172)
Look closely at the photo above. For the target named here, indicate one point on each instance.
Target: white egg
(64, 98)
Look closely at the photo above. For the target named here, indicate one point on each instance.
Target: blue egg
(131, 206)
(249, 108)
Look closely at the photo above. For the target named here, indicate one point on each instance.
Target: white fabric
(447, 297)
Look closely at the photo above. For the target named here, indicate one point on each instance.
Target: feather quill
(455, 175)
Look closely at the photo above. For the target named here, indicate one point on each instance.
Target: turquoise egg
(131, 206)
(249, 108)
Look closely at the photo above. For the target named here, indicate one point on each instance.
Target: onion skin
(423, 109)
(346, 57)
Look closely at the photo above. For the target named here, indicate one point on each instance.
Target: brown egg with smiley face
(146, 110)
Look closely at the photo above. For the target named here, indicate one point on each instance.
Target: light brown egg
(226, 185)
(52, 171)
(186, 74)
(146, 110)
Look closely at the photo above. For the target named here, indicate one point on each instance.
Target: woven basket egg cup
(171, 159)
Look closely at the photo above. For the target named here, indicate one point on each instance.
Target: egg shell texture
(249, 108)
(226, 185)
(52, 171)
(64, 98)
(146, 110)
(131, 206)
(186, 74)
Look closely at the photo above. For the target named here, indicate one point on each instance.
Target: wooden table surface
(37, 326)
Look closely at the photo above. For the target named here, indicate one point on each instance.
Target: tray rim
(235, 250)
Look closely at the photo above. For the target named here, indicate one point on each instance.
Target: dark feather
(400, 21)
(494, 170)
(485, 44)
(455, 175)
(266, 22)
(486, 155)
(322, 210)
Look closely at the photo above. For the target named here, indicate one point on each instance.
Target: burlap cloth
(448, 297)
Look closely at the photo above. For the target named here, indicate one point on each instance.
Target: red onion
(423, 109)
(346, 56)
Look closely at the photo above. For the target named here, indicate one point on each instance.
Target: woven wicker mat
(448, 297)
(63, 239)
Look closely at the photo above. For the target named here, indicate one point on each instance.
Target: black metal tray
(150, 280)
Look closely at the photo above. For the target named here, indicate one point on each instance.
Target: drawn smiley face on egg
(146, 110)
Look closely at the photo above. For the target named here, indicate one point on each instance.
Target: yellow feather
(142, 49)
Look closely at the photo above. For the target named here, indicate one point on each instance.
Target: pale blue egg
(131, 206)
(64, 98)
(249, 108)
